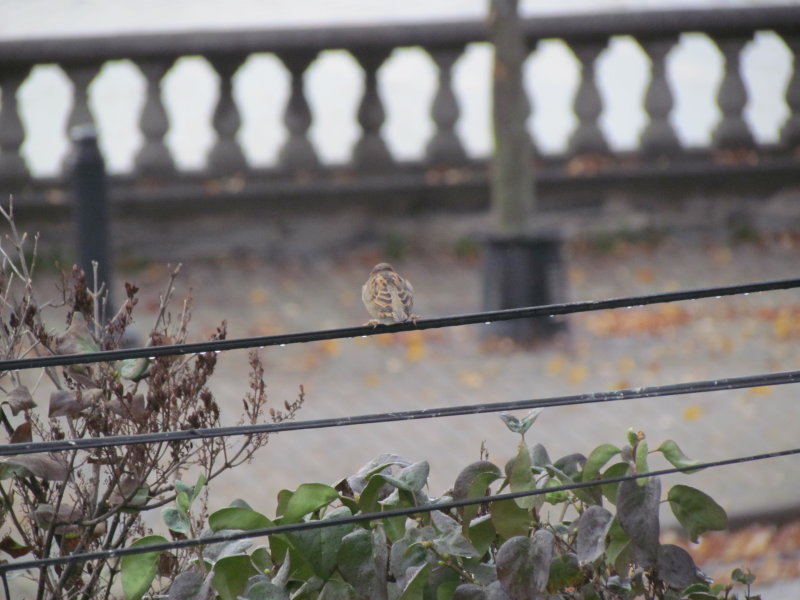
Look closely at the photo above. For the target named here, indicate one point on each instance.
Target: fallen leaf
(471, 379)
(692, 413)
(761, 390)
(621, 384)
(331, 347)
(258, 296)
(372, 379)
(556, 365)
(578, 373)
(645, 275)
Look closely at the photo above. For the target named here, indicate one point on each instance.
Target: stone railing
(446, 175)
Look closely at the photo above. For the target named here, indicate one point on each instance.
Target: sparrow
(388, 297)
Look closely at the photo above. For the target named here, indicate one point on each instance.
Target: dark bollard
(87, 172)
(524, 270)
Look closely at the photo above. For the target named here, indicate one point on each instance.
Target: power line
(693, 387)
(366, 330)
(398, 512)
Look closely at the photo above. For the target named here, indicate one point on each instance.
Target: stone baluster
(732, 131)
(12, 134)
(297, 153)
(658, 138)
(81, 76)
(154, 158)
(370, 151)
(790, 132)
(587, 137)
(445, 147)
(226, 156)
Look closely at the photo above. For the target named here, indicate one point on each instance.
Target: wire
(692, 387)
(366, 330)
(397, 512)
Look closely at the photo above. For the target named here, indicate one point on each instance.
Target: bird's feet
(372, 323)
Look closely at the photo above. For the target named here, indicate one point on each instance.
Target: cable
(692, 387)
(397, 512)
(366, 330)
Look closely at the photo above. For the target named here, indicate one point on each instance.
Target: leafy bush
(82, 501)
(588, 543)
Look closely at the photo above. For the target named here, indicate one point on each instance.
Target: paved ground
(706, 339)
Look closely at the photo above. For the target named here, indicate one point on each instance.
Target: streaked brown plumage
(389, 298)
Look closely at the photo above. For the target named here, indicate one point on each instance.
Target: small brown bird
(388, 297)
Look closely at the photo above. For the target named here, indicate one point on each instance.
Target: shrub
(82, 501)
(587, 543)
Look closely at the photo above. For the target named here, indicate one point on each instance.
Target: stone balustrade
(589, 165)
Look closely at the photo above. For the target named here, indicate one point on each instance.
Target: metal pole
(87, 173)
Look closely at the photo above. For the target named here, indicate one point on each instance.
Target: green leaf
(175, 519)
(555, 498)
(481, 533)
(637, 511)
(677, 458)
(571, 465)
(133, 369)
(520, 478)
(469, 591)
(511, 422)
(739, 576)
(509, 519)
(473, 482)
(565, 571)
(368, 501)
(198, 486)
(186, 586)
(696, 511)
(539, 456)
(675, 566)
(641, 461)
(529, 419)
(610, 489)
(411, 478)
(234, 517)
(450, 540)
(261, 559)
(263, 590)
(231, 574)
(568, 470)
(597, 459)
(337, 590)
(593, 526)
(319, 547)
(182, 501)
(139, 570)
(523, 565)
(620, 548)
(520, 426)
(308, 498)
(632, 437)
(409, 551)
(416, 584)
(361, 563)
